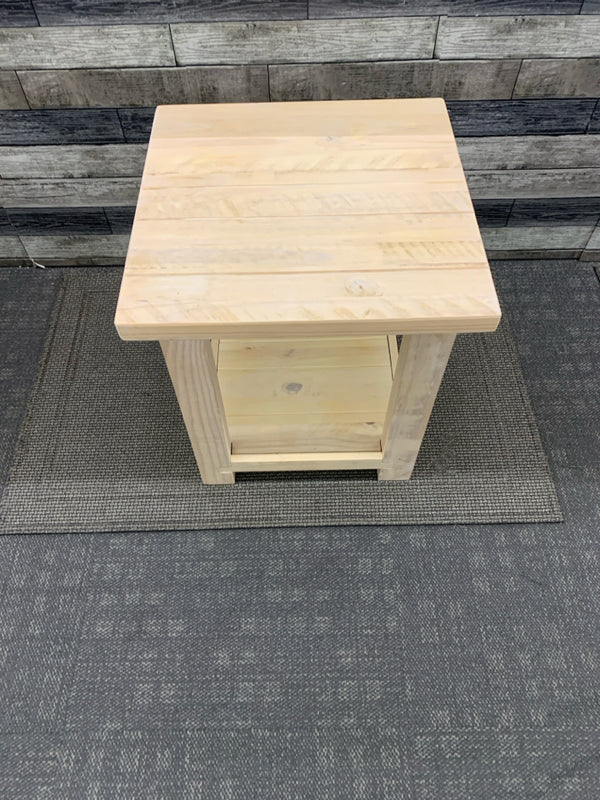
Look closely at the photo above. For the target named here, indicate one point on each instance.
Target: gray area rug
(103, 446)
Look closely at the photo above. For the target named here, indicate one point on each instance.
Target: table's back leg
(193, 371)
(419, 370)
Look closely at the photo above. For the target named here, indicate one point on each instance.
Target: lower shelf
(321, 395)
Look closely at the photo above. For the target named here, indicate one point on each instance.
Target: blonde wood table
(277, 250)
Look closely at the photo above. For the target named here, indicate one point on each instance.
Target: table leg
(192, 367)
(417, 377)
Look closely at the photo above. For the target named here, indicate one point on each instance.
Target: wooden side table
(277, 250)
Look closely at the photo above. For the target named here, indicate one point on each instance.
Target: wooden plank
(518, 37)
(76, 250)
(419, 371)
(594, 126)
(319, 9)
(350, 81)
(274, 354)
(17, 14)
(304, 461)
(11, 247)
(573, 211)
(11, 93)
(590, 7)
(532, 183)
(60, 221)
(562, 237)
(136, 123)
(72, 161)
(594, 240)
(177, 305)
(309, 40)
(558, 77)
(193, 372)
(492, 213)
(519, 117)
(100, 126)
(72, 12)
(393, 351)
(120, 219)
(74, 192)
(86, 46)
(527, 152)
(6, 228)
(144, 87)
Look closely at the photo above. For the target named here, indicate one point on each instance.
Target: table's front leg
(419, 370)
(193, 371)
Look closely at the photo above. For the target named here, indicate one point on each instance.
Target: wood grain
(76, 250)
(73, 161)
(528, 152)
(61, 221)
(559, 77)
(11, 248)
(592, 249)
(518, 37)
(419, 371)
(574, 211)
(120, 219)
(492, 213)
(144, 87)
(74, 12)
(6, 228)
(60, 127)
(518, 117)
(17, 14)
(11, 93)
(351, 81)
(193, 372)
(594, 126)
(74, 192)
(563, 237)
(532, 183)
(86, 46)
(309, 40)
(136, 123)
(463, 8)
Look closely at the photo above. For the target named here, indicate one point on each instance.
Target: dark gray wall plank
(82, 12)
(399, 8)
(76, 250)
(59, 127)
(515, 117)
(86, 46)
(11, 248)
(492, 213)
(518, 37)
(144, 87)
(6, 228)
(559, 77)
(536, 238)
(556, 211)
(525, 152)
(136, 123)
(120, 219)
(529, 183)
(72, 161)
(17, 14)
(590, 7)
(48, 221)
(309, 40)
(450, 79)
(11, 93)
(40, 193)
(594, 126)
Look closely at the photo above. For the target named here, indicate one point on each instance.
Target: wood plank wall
(79, 82)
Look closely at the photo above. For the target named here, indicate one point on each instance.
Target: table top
(309, 218)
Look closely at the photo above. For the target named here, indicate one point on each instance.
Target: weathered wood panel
(6, 228)
(145, 87)
(492, 213)
(76, 250)
(537, 238)
(532, 183)
(594, 126)
(63, 221)
(556, 211)
(11, 250)
(519, 117)
(82, 12)
(518, 37)
(590, 7)
(351, 81)
(559, 77)
(86, 46)
(136, 123)
(74, 192)
(120, 219)
(592, 250)
(310, 40)
(11, 93)
(60, 127)
(461, 8)
(527, 152)
(73, 161)
(17, 14)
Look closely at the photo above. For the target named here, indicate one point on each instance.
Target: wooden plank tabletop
(307, 218)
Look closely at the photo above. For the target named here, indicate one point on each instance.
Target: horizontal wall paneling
(73, 161)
